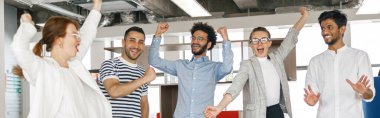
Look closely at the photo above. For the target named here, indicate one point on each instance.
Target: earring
(61, 45)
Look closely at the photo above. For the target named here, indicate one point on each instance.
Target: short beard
(332, 42)
(203, 49)
(129, 54)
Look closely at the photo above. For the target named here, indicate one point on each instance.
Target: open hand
(310, 97)
(360, 86)
(211, 111)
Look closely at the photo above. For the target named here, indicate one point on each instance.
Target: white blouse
(73, 104)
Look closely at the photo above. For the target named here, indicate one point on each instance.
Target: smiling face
(70, 42)
(330, 31)
(134, 45)
(199, 43)
(260, 49)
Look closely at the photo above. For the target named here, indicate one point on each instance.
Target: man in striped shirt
(125, 83)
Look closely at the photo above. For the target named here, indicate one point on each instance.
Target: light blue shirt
(197, 78)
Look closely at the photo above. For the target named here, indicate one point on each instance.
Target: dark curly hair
(211, 35)
(339, 18)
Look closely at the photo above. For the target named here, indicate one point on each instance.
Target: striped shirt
(124, 71)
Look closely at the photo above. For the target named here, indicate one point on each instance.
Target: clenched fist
(223, 32)
(26, 18)
(150, 75)
(161, 28)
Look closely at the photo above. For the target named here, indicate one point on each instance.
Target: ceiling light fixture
(369, 7)
(192, 7)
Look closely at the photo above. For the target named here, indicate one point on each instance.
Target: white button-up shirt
(327, 74)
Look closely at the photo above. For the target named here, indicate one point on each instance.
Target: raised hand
(26, 18)
(223, 32)
(149, 75)
(303, 11)
(97, 4)
(211, 111)
(162, 27)
(361, 86)
(310, 98)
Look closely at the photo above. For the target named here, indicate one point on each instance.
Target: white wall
(2, 80)
(97, 54)
(10, 19)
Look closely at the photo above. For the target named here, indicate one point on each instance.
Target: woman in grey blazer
(263, 75)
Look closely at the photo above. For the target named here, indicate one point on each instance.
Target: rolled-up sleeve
(226, 65)
(156, 61)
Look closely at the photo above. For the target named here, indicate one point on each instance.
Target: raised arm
(226, 66)
(27, 60)
(292, 37)
(89, 28)
(154, 57)
(304, 17)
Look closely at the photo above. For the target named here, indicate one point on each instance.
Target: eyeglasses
(255, 41)
(76, 36)
(199, 38)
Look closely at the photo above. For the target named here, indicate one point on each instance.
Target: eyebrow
(137, 38)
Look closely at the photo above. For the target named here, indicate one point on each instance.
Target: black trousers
(275, 111)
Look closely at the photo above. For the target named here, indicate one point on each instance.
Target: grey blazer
(250, 76)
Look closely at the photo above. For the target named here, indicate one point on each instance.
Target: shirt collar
(201, 59)
(338, 51)
(127, 62)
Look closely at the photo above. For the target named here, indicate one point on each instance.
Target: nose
(324, 32)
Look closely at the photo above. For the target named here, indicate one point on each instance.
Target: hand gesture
(361, 86)
(162, 27)
(150, 75)
(223, 32)
(97, 4)
(26, 18)
(304, 11)
(211, 111)
(310, 98)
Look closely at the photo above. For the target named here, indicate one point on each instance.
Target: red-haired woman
(63, 87)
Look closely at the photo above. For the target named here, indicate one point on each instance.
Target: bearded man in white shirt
(340, 77)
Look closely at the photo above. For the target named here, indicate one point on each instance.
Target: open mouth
(260, 50)
(195, 46)
(327, 36)
(77, 47)
(134, 51)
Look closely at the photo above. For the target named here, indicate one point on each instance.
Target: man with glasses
(340, 77)
(263, 76)
(197, 77)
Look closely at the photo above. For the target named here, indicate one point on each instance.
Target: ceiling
(121, 12)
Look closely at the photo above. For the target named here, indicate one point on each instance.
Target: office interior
(239, 16)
